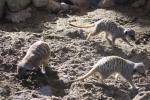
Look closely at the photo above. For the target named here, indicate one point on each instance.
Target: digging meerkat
(37, 54)
(114, 64)
(110, 28)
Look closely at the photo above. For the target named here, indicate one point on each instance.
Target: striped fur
(113, 29)
(37, 54)
(114, 64)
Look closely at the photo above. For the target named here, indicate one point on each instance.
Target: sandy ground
(72, 56)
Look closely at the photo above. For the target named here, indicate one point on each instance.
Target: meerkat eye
(125, 32)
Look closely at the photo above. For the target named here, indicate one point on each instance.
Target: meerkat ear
(125, 32)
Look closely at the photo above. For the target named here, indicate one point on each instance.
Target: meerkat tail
(88, 36)
(88, 74)
(80, 26)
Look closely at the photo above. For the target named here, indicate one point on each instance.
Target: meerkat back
(37, 55)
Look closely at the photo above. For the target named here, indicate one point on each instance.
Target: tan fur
(82, 4)
(37, 54)
(88, 36)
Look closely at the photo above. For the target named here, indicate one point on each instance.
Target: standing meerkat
(114, 64)
(37, 54)
(110, 28)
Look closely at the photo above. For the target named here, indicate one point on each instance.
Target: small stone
(17, 5)
(20, 16)
(40, 3)
(138, 3)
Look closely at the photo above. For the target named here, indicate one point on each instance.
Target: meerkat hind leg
(88, 36)
(92, 34)
(131, 83)
(107, 37)
(113, 41)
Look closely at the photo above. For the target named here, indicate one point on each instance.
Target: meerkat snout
(22, 69)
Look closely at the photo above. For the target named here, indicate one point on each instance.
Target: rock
(120, 1)
(148, 6)
(82, 4)
(18, 16)
(53, 6)
(74, 8)
(94, 3)
(65, 1)
(5, 91)
(145, 95)
(138, 3)
(39, 3)
(106, 3)
(17, 5)
(2, 2)
(21, 95)
(75, 33)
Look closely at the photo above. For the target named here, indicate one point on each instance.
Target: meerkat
(37, 54)
(110, 28)
(115, 64)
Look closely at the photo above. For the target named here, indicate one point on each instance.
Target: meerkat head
(22, 70)
(130, 33)
(140, 68)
